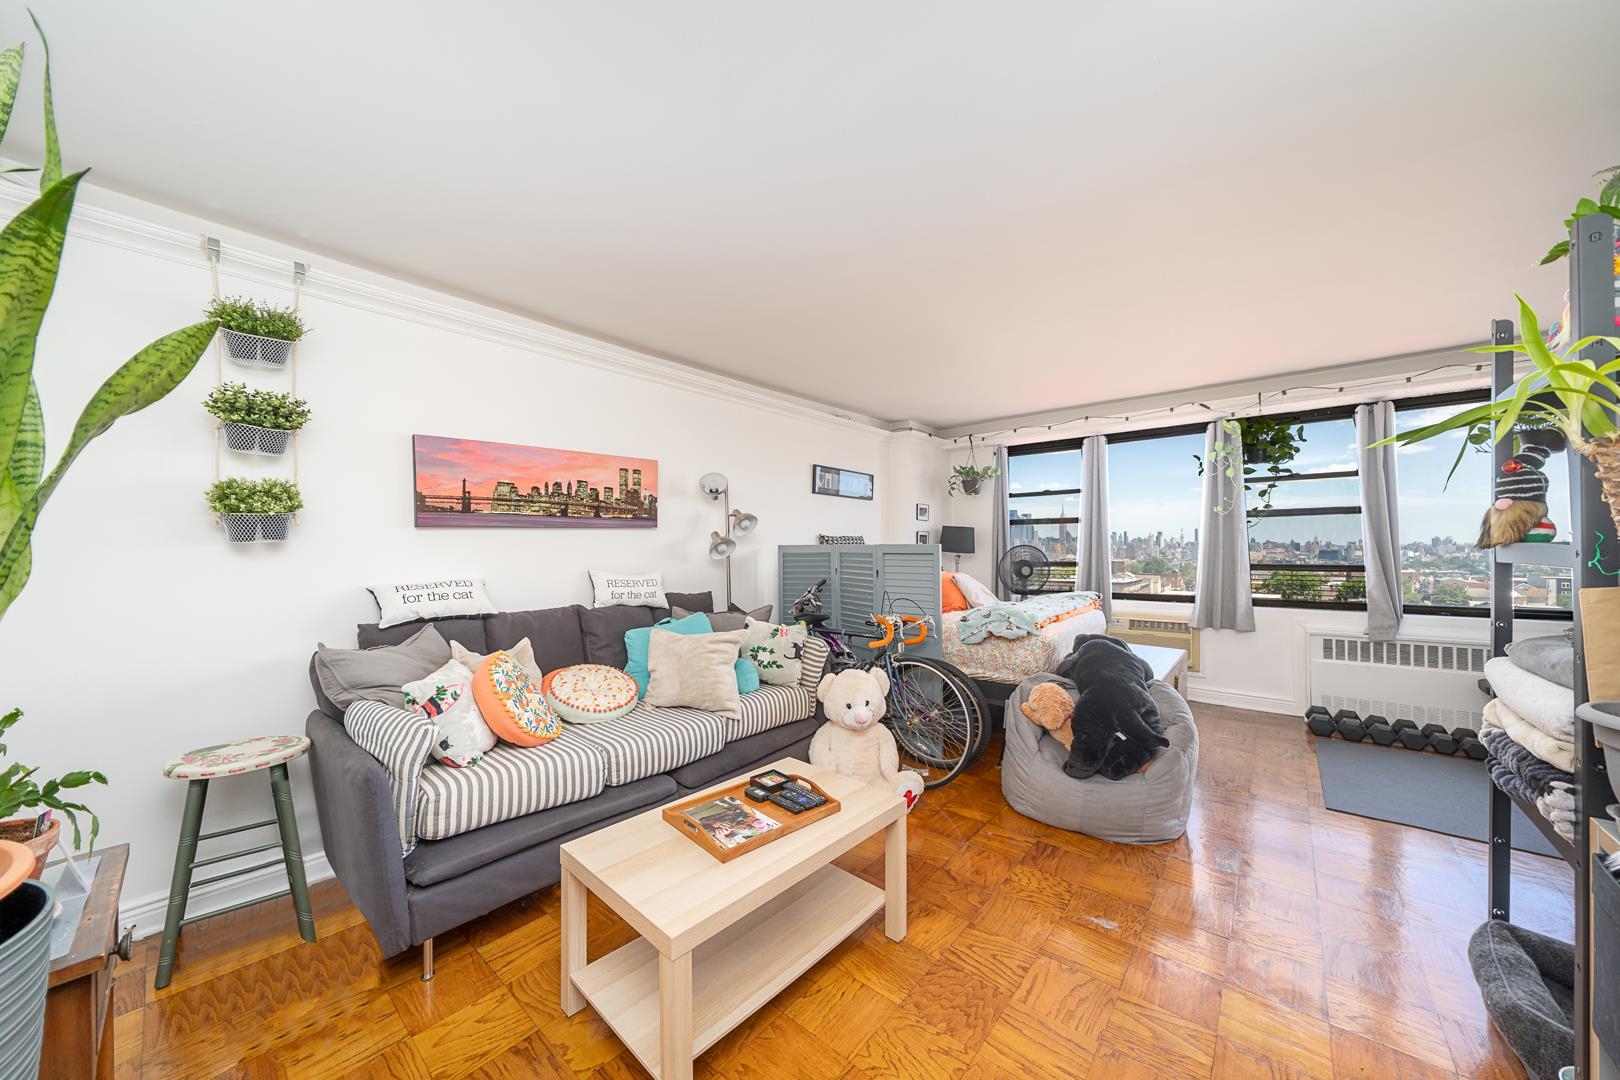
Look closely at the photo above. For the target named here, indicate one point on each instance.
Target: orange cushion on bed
(512, 704)
(951, 598)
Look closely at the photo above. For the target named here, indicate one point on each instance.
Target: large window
(1154, 509)
(1441, 569)
(1043, 506)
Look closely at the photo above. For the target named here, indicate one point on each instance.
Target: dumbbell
(1474, 749)
(1353, 730)
(1346, 714)
(1401, 725)
(1461, 734)
(1381, 733)
(1319, 721)
(1411, 738)
(1431, 730)
(1443, 743)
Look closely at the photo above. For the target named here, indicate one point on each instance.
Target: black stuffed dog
(1117, 728)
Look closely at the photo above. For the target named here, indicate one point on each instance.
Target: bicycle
(937, 714)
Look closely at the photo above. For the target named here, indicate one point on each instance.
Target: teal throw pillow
(747, 676)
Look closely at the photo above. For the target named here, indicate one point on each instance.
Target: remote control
(796, 799)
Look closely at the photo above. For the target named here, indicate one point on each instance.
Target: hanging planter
(256, 421)
(254, 511)
(970, 478)
(257, 334)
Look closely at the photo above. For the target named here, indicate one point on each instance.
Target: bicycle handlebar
(889, 625)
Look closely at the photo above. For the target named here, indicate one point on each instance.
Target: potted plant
(256, 421)
(970, 478)
(254, 510)
(20, 791)
(1564, 391)
(257, 334)
(30, 261)
(1269, 449)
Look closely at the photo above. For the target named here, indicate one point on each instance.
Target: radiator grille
(1165, 632)
(1406, 654)
(1393, 710)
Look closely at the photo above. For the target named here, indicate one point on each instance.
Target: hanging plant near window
(1269, 449)
(970, 477)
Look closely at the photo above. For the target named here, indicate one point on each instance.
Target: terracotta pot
(42, 845)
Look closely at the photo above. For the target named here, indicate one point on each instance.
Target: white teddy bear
(852, 742)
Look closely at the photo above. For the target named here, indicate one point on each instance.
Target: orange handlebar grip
(888, 633)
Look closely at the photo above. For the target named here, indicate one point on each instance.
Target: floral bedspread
(1061, 616)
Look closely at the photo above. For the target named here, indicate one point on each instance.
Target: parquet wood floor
(1276, 939)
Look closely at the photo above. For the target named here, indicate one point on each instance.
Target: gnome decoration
(1519, 513)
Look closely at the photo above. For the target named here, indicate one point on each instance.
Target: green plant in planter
(234, 403)
(1269, 449)
(256, 317)
(236, 495)
(1607, 202)
(969, 477)
(20, 791)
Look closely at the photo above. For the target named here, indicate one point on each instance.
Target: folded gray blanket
(1509, 781)
(1538, 775)
(1552, 657)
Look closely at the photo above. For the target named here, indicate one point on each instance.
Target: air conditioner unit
(1166, 631)
(1426, 682)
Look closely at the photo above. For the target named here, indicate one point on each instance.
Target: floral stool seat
(245, 755)
(198, 768)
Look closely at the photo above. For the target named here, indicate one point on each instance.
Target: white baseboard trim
(1234, 699)
(145, 913)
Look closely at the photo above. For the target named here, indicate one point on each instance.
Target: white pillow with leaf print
(446, 698)
(775, 650)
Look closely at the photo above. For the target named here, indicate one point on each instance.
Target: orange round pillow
(511, 704)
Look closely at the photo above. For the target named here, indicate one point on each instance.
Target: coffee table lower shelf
(734, 972)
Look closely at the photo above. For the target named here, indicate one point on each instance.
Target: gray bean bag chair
(1144, 808)
(1528, 982)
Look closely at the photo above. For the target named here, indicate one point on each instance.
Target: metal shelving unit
(1592, 311)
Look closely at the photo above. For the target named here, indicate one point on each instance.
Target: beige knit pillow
(697, 671)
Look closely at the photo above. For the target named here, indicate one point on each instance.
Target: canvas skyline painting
(469, 482)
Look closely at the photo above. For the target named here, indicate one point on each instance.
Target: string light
(1259, 405)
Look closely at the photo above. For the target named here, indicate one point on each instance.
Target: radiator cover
(1424, 681)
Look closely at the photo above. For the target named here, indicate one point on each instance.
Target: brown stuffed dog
(1051, 707)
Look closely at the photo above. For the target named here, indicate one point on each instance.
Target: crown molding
(139, 226)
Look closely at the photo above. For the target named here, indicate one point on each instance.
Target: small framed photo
(922, 536)
(922, 511)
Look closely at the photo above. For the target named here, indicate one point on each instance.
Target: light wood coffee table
(1169, 665)
(718, 940)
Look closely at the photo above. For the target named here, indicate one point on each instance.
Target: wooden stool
(211, 763)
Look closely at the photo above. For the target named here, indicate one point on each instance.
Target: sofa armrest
(359, 829)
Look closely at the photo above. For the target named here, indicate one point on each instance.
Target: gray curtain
(1095, 572)
(998, 526)
(1223, 600)
(1380, 519)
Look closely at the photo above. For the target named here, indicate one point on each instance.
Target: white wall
(914, 473)
(976, 511)
(143, 633)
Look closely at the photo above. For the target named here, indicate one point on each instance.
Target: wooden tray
(787, 822)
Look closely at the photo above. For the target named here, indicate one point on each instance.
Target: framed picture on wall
(922, 511)
(843, 483)
(922, 536)
(502, 485)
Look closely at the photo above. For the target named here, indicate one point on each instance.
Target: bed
(999, 664)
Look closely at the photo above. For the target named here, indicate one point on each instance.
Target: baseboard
(1233, 699)
(145, 913)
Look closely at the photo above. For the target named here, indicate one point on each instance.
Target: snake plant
(30, 258)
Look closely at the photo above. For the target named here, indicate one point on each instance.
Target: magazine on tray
(729, 821)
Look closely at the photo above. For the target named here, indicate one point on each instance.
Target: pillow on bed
(973, 592)
(950, 597)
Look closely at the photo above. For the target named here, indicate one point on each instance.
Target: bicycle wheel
(936, 716)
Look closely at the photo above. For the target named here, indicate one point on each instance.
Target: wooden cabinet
(78, 1006)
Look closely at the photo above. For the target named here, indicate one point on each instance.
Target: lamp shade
(721, 547)
(742, 523)
(956, 539)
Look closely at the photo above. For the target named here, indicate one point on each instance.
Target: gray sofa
(443, 883)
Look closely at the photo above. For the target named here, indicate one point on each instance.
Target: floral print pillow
(775, 650)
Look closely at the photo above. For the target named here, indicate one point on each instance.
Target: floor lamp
(737, 523)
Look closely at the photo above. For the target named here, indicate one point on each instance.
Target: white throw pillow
(613, 588)
(974, 592)
(775, 650)
(697, 671)
(522, 652)
(445, 697)
(430, 600)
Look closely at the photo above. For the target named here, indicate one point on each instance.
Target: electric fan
(1024, 570)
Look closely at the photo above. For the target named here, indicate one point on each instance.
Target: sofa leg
(427, 959)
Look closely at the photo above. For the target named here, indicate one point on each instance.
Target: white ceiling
(937, 211)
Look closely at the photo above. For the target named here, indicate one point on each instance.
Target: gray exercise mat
(1438, 792)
